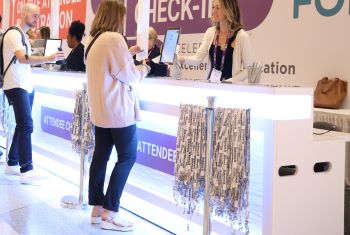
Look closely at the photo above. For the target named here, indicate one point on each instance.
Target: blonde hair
(152, 34)
(233, 14)
(29, 8)
(31, 34)
(109, 17)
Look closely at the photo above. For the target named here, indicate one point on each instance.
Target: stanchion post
(8, 144)
(208, 159)
(71, 201)
(82, 200)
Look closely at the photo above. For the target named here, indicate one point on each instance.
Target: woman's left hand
(134, 50)
(182, 60)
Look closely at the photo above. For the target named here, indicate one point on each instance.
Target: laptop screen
(52, 46)
(169, 46)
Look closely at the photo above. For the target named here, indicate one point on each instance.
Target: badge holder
(215, 76)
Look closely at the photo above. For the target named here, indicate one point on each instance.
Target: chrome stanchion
(2, 122)
(73, 202)
(82, 200)
(177, 74)
(9, 137)
(208, 160)
(70, 201)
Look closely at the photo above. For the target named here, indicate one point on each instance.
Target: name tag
(215, 76)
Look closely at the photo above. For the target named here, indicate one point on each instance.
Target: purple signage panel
(193, 16)
(56, 122)
(94, 5)
(254, 12)
(156, 150)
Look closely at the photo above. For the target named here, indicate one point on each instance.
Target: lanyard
(223, 52)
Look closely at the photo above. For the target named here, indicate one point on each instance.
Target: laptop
(171, 39)
(52, 46)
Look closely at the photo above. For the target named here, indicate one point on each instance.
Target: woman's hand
(147, 61)
(144, 63)
(182, 59)
(134, 50)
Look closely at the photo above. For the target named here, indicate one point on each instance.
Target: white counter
(281, 134)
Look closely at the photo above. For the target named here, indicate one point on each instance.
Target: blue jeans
(125, 142)
(21, 147)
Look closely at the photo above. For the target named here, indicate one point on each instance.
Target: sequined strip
(7, 116)
(82, 132)
(189, 166)
(230, 168)
(230, 164)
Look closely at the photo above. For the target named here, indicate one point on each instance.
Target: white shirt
(18, 75)
(241, 58)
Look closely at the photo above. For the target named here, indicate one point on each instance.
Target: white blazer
(241, 58)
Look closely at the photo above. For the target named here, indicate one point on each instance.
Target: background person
(31, 36)
(75, 59)
(153, 52)
(20, 92)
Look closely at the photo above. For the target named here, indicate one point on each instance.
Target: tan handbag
(330, 93)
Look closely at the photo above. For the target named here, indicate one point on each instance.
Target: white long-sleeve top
(241, 58)
(111, 74)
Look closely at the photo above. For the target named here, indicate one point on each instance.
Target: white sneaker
(117, 224)
(31, 177)
(12, 170)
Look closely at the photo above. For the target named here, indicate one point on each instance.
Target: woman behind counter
(153, 52)
(75, 59)
(226, 43)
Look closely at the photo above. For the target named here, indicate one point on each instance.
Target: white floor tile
(28, 209)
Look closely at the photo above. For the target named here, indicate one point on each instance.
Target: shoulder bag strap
(92, 43)
(23, 37)
(2, 48)
(8, 66)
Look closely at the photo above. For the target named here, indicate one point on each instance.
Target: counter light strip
(55, 91)
(153, 107)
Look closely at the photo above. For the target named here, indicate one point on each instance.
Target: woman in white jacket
(114, 110)
(226, 44)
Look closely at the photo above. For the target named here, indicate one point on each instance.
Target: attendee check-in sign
(154, 150)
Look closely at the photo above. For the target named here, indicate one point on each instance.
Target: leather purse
(330, 93)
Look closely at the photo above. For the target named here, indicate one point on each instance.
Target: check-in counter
(304, 202)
